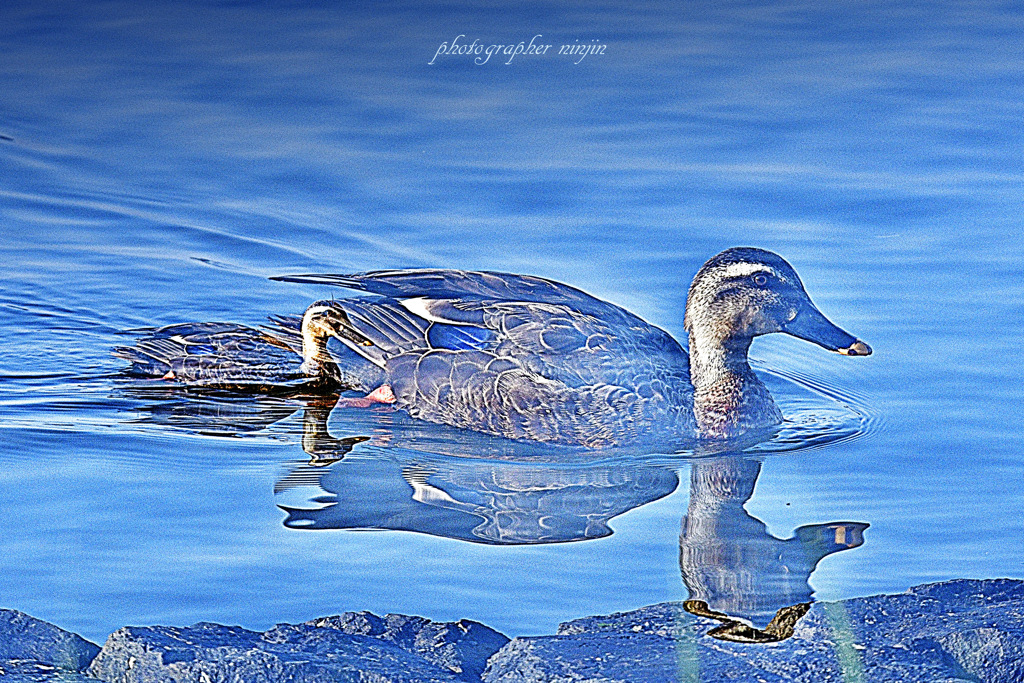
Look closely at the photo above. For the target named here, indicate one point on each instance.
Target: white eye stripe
(742, 269)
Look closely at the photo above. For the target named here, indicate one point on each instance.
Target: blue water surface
(160, 160)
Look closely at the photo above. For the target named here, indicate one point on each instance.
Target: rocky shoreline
(961, 630)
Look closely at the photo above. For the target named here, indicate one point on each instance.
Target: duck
(520, 356)
(221, 356)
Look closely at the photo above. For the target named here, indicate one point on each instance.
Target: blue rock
(956, 631)
(461, 647)
(33, 649)
(962, 630)
(350, 647)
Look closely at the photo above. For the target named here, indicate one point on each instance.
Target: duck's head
(320, 322)
(745, 292)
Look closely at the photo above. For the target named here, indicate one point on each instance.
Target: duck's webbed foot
(381, 394)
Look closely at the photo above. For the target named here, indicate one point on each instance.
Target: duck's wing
(502, 395)
(553, 340)
(436, 283)
(523, 370)
(561, 343)
(520, 314)
(515, 355)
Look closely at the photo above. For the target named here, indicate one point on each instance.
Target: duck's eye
(760, 279)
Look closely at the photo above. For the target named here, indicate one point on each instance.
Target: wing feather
(463, 284)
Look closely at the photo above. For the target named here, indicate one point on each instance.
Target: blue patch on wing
(459, 337)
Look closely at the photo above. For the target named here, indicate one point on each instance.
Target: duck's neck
(728, 398)
(315, 357)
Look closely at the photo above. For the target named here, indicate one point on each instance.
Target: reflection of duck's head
(779, 628)
(736, 571)
(737, 295)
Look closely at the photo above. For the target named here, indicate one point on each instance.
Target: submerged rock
(960, 630)
(349, 647)
(31, 649)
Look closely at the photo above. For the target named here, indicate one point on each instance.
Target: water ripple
(819, 415)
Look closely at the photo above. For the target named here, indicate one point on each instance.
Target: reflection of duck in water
(736, 571)
(498, 503)
(484, 501)
(479, 500)
(526, 358)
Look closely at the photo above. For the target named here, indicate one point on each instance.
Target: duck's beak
(810, 324)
